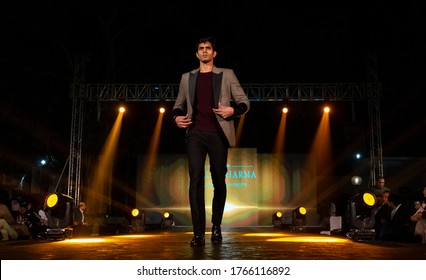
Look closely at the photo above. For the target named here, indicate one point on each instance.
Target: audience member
(39, 223)
(15, 205)
(81, 225)
(401, 224)
(419, 218)
(79, 218)
(383, 215)
(23, 218)
(7, 231)
(379, 187)
(43, 215)
(22, 230)
(33, 217)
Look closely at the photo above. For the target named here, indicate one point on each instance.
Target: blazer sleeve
(179, 108)
(242, 103)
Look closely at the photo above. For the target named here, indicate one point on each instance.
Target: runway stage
(245, 243)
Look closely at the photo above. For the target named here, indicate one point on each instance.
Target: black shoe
(197, 241)
(216, 235)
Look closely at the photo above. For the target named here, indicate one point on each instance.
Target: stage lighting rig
(298, 221)
(360, 214)
(137, 221)
(167, 222)
(60, 213)
(277, 221)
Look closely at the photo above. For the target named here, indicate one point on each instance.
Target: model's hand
(224, 111)
(183, 121)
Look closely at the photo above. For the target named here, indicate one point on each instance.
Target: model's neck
(206, 67)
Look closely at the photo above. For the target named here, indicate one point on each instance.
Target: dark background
(140, 43)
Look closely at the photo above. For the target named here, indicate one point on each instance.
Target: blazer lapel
(191, 86)
(217, 82)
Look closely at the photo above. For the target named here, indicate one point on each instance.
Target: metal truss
(255, 92)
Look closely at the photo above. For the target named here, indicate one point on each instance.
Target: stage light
(356, 180)
(277, 219)
(167, 221)
(298, 218)
(137, 221)
(60, 212)
(162, 110)
(135, 212)
(285, 109)
(167, 215)
(360, 215)
(326, 109)
(122, 109)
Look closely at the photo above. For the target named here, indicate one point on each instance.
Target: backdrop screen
(257, 186)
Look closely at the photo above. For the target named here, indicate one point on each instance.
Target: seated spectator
(23, 218)
(21, 229)
(419, 218)
(15, 205)
(43, 215)
(7, 231)
(38, 223)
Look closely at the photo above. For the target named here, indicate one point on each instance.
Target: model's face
(205, 52)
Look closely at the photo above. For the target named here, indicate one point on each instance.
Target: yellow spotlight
(52, 200)
(369, 199)
(167, 221)
(361, 216)
(302, 210)
(162, 110)
(366, 199)
(166, 215)
(326, 109)
(277, 219)
(135, 212)
(285, 110)
(60, 213)
(137, 221)
(122, 109)
(278, 214)
(299, 218)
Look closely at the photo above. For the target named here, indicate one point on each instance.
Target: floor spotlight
(360, 215)
(167, 221)
(60, 215)
(298, 219)
(137, 221)
(277, 219)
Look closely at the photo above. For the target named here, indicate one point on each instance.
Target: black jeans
(199, 145)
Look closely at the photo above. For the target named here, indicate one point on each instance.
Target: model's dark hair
(209, 39)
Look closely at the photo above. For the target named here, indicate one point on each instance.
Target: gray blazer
(226, 88)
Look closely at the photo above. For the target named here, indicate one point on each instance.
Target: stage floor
(248, 243)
